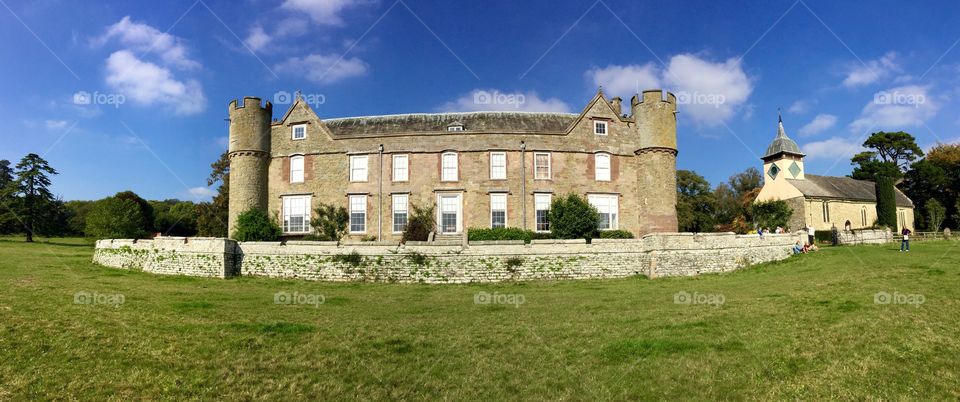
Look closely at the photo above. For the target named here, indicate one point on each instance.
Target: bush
(572, 217)
(116, 218)
(256, 225)
(419, 224)
(770, 214)
(482, 234)
(615, 234)
(331, 222)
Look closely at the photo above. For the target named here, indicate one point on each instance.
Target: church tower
(783, 159)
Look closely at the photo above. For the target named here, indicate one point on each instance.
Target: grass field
(805, 328)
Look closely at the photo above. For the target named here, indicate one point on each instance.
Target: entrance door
(450, 213)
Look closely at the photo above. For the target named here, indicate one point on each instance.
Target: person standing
(905, 243)
(810, 233)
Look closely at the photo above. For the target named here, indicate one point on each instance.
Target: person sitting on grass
(799, 248)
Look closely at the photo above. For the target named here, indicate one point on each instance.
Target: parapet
(657, 95)
(251, 101)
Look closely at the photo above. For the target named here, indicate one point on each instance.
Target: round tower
(249, 154)
(656, 121)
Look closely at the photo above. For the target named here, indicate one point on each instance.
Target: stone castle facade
(479, 169)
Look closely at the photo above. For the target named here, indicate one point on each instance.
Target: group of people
(763, 231)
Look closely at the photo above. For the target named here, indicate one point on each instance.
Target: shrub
(116, 218)
(419, 224)
(256, 225)
(354, 259)
(481, 234)
(886, 203)
(331, 222)
(572, 217)
(770, 214)
(615, 234)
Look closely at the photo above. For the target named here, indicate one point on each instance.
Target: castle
(479, 169)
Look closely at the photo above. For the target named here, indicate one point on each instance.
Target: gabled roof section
(298, 102)
(599, 97)
(843, 188)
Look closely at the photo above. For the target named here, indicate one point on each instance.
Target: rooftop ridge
(443, 114)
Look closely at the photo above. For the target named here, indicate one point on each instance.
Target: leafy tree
(696, 204)
(886, 203)
(255, 225)
(770, 214)
(116, 218)
(174, 217)
(572, 217)
(746, 181)
(935, 214)
(419, 224)
(8, 220)
(76, 216)
(212, 216)
(891, 154)
(33, 188)
(331, 222)
(727, 204)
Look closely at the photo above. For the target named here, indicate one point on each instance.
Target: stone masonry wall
(676, 254)
(865, 236)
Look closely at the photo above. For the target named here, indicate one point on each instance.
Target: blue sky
(133, 95)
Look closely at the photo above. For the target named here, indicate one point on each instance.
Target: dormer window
(600, 127)
(455, 126)
(298, 132)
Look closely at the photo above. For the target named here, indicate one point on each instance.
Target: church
(821, 202)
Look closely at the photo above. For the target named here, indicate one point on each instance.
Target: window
(401, 165)
(863, 216)
(498, 166)
(826, 212)
(299, 131)
(448, 166)
(455, 128)
(541, 203)
(296, 169)
(498, 210)
(607, 206)
(358, 213)
(296, 214)
(600, 127)
(399, 213)
(358, 168)
(541, 165)
(602, 167)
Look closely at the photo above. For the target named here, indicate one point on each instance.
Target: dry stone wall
(677, 254)
(874, 236)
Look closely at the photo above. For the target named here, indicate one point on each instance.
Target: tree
(728, 205)
(696, 204)
(33, 187)
(76, 216)
(8, 220)
(116, 218)
(212, 216)
(892, 153)
(145, 208)
(331, 222)
(572, 217)
(746, 181)
(419, 224)
(886, 203)
(174, 217)
(935, 214)
(770, 214)
(255, 225)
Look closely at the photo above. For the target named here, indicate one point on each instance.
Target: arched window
(448, 166)
(296, 169)
(602, 167)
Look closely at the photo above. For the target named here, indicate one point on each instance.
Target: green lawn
(806, 328)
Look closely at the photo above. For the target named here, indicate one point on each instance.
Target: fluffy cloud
(896, 108)
(832, 149)
(322, 68)
(819, 124)
(496, 100)
(147, 39)
(56, 124)
(709, 92)
(323, 12)
(200, 193)
(146, 83)
(800, 107)
(257, 39)
(871, 71)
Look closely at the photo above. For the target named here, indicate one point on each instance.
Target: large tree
(890, 154)
(212, 216)
(8, 221)
(936, 177)
(33, 188)
(696, 203)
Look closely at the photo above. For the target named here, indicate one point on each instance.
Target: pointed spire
(781, 133)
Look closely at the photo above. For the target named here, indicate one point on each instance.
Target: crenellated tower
(655, 115)
(249, 154)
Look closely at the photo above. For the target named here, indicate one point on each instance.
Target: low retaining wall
(874, 236)
(671, 254)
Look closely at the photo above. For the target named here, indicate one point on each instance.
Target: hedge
(615, 234)
(484, 234)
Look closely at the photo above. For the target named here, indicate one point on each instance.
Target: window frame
(351, 211)
(293, 159)
(285, 213)
(596, 166)
(504, 209)
(549, 166)
(601, 123)
(293, 132)
(366, 168)
(406, 167)
(443, 167)
(406, 212)
(493, 168)
(536, 224)
(613, 200)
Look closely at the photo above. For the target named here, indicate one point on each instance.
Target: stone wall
(674, 254)
(872, 236)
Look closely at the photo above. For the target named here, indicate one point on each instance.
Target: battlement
(252, 101)
(657, 95)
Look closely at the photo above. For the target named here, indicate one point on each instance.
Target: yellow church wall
(841, 211)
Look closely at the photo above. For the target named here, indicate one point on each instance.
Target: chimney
(615, 102)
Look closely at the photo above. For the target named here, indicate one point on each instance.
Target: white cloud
(200, 193)
(257, 39)
(871, 71)
(56, 124)
(800, 106)
(323, 12)
(832, 149)
(323, 69)
(147, 84)
(896, 108)
(147, 39)
(819, 124)
(709, 92)
(496, 100)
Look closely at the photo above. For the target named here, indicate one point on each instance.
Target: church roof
(782, 144)
(494, 122)
(843, 188)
